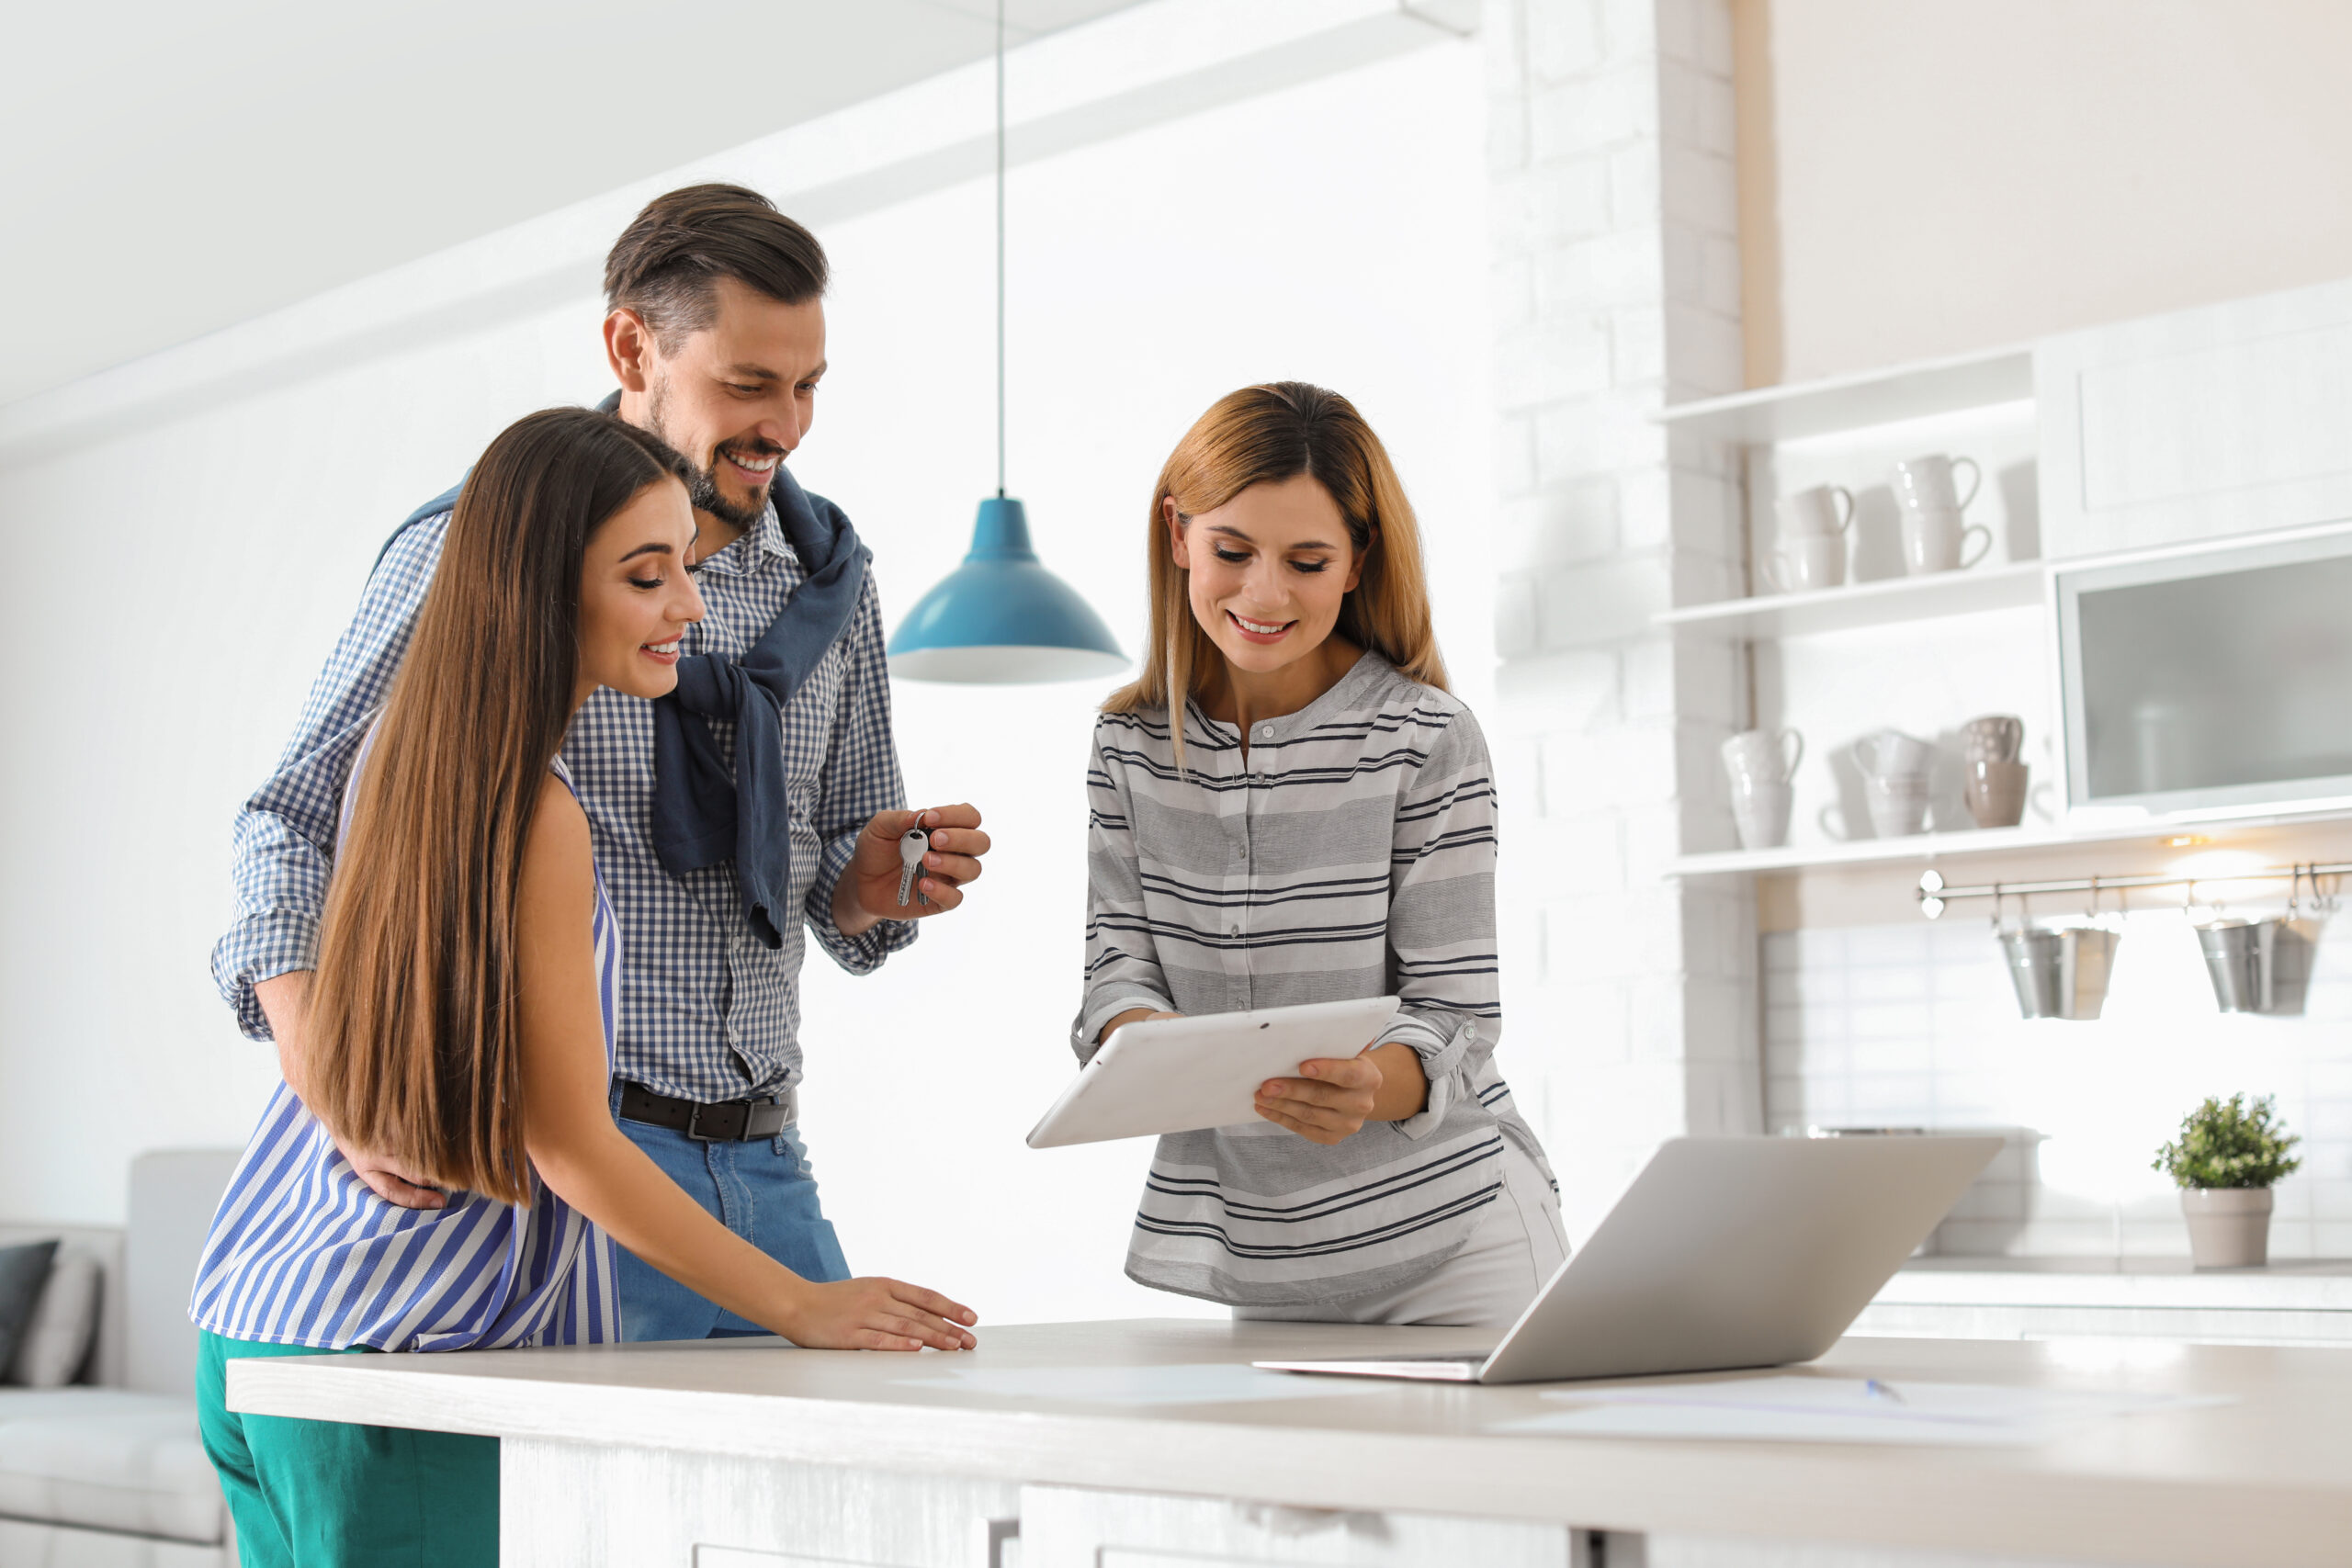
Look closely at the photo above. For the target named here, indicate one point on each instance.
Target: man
(718, 860)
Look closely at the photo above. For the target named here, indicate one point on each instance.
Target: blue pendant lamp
(1002, 618)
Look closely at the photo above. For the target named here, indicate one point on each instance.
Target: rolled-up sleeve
(861, 777)
(1122, 959)
(283, 842)
(1441, 942)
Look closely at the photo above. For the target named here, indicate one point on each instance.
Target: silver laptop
(1724, 1253)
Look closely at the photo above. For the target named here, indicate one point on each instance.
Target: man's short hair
(667, 263)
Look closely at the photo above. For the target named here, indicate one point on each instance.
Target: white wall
(186, 568)
(1915, 1025)
(1314, 236)
(1942, 175)
(1616, 291)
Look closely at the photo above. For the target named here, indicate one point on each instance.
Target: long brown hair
(1264, 436)
(413, 1022)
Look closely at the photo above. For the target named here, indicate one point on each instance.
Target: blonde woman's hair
(1264, 436)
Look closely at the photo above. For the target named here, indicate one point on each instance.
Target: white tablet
(1174, 1075)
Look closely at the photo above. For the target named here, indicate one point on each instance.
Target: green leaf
(2229, 1144)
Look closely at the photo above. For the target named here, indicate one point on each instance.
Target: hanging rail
(1933, 894)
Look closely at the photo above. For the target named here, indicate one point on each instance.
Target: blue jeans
(763, 1191)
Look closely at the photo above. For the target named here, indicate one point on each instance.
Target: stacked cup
(1934, 538)
(1809, 551)
(1760, 763)
(1994, 786)
(1894, 781)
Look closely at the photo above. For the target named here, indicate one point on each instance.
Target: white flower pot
(2229, 1227)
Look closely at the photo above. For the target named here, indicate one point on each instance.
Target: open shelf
(1922, 847)
(1852, 402)
(1882, 603)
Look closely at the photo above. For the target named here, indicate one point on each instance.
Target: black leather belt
(719, 1122)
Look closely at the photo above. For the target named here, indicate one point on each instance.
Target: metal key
(911, 845)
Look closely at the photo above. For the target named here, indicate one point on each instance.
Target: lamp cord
(1000, 248)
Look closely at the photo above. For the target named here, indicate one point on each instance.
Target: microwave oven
(2209, 682)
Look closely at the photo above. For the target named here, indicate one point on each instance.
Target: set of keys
(911, 845)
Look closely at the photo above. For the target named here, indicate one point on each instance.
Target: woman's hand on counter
(875, 1315)
(1337, 1095)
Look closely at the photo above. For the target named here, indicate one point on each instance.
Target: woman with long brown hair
(462, 1024)
(1289, 806)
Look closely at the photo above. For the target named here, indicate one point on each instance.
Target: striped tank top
(302, 1253)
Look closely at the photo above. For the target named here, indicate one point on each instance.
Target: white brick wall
(1630, 1002)
(1915, 1025)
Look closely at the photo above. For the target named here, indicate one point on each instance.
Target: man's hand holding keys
(868, 890)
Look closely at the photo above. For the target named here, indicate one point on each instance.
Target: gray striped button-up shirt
(706, 1011)
(1349, 853)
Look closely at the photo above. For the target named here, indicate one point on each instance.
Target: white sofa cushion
(26, 1545)
(109, 1459)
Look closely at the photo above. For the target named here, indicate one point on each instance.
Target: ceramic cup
(1889, 753)
(1805, 562)
(1995, 737)
(1994, 792)
(1816, 512)
(1766, 755)
(1936, 541)
(1898, 803)
(1925, 484)
(1896, 807)
(1760, 809)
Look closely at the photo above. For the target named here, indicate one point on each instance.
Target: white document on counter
(1841, 1410)
(1202, 1383)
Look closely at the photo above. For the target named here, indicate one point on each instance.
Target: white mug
(1897, 807)
(1815, 510)
(1891, 754)
(1924, 484)
(1759, 810)
(1767, 754)
(1805, 562)
(1895, 810)
(1937, 541)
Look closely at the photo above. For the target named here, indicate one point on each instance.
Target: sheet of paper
(1839, 1410)
(1200, 1382)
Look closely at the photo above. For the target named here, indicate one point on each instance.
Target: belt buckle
(736, 1111)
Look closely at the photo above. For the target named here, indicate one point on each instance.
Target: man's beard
(703, 490)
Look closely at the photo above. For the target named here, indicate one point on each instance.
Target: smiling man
(756, 807)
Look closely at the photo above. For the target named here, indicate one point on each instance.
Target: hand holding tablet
(1175, 1075)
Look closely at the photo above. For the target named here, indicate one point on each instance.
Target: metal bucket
(2238, 961)
(2060, 973)
(2258, 965)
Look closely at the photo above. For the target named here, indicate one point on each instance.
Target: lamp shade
(1002, 618)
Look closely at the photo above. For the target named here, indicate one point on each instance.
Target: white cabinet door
(2228, 419)
(563, 1505)
(1068, 1526)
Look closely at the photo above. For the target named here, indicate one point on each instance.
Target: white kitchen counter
(748, 1454)
(2287, 1302)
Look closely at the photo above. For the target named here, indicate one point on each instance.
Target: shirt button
(1265, 732)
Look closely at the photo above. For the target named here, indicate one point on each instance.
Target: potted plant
(2228, 1155)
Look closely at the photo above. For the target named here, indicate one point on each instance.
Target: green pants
(331, 1494)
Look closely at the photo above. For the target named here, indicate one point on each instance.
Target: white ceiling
(169, 169)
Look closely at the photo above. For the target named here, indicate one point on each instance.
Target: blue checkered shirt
(706, 1011)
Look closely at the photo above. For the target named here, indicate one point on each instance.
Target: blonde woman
(1289, 806)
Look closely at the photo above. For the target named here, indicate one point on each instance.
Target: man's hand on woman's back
(285, 1001)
